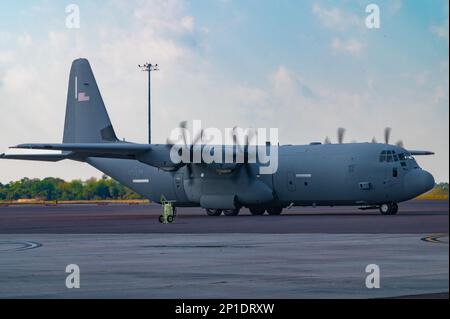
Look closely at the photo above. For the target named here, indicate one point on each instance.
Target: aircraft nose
(418, 182)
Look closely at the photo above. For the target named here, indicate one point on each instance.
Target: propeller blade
(235, 139)
(387, 134)
(248, 170)
(374, 140)
(198, 137)
(327, 140)
(252, 133)
(183, 126)
(340, 133)
(400, 144)
(189, 169)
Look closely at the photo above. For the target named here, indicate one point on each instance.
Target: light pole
(148, 67)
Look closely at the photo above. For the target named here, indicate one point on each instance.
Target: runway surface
(413, 217)
(123, 252)
(221, 266)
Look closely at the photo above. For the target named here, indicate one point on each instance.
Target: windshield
(392, 156)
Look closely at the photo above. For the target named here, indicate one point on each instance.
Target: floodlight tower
(148, 67)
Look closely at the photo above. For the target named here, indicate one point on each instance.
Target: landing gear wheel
(274, 210)
(161, 219)
(231, 212)
(213, 212)
(394, 209)
(385, 209)
(170, 219)
(389, 208)
(257, 211)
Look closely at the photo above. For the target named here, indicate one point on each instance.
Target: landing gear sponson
(254, 210)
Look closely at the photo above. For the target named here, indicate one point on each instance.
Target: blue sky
(306, 67)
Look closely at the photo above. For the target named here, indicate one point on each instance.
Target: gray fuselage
(324, 174)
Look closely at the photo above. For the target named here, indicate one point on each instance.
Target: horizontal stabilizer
(35, 157)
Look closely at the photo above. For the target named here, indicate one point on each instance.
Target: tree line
(51, 188)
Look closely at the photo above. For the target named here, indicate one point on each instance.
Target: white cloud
(351, 46)
(24, 40)
(188, 23)
(394, 6)
(335, 18)
(6, 57)
(441, 30)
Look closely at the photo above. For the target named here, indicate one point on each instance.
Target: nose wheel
(389, 208)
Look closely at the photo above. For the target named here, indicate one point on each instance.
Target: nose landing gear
(389, 208)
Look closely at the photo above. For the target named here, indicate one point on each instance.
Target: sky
(304, 67)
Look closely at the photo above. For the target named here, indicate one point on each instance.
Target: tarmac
(418, 216)
(123, 252)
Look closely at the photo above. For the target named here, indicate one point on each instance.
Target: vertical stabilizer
(86, 118)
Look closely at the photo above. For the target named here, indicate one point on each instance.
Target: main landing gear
(254, 210)
(389, 208)
(260, 210)
(226, 212)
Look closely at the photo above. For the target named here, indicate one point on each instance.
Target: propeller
(387, 134)
(327, 140)
(387, 137)
(189, 148)
(340, 134)
(251, 134)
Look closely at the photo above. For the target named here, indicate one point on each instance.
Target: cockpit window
(405, 156)
(391, 156)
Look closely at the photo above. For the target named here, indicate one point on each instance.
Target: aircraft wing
(79, 151)
(420, 152)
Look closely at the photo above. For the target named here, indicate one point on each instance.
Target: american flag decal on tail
(82, 97)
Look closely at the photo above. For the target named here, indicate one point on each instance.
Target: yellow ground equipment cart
(169, 211)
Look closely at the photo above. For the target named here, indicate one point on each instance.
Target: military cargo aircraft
(368, 175)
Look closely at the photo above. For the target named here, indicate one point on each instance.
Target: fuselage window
(395, 172)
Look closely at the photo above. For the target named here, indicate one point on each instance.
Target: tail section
(86, 118)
